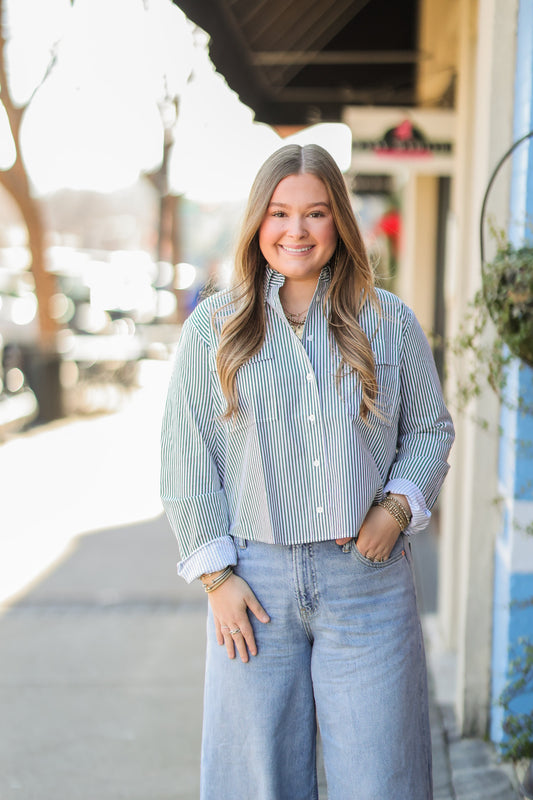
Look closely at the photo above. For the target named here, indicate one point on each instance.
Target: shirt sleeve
(212, 557)
(191, 489)
(425, 430)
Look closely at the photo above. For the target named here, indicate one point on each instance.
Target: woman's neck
(296, 296)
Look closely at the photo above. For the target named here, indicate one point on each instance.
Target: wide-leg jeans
(344, 647)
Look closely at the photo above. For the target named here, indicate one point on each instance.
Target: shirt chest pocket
(388, 399)
(257, 388)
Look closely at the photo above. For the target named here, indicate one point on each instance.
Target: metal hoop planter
(507, 282)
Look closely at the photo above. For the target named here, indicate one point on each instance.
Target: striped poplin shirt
(298, 464)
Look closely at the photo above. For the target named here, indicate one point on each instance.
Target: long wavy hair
(351, 285)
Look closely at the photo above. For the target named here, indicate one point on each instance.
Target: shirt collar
(274, 280)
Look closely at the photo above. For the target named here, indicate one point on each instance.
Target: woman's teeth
(296, 249)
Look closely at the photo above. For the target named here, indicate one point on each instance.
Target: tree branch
(13, 112)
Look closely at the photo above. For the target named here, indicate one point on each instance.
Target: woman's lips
(296, 250)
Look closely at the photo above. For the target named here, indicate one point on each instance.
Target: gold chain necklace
(296, 321)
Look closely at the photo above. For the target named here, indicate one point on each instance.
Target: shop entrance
(402, 167)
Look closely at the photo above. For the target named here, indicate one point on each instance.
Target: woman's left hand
(378, 535)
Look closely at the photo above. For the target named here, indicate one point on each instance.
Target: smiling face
(297, 235)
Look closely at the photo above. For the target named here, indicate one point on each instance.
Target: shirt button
(309, 376)
(310, 337)
(311, 417)
(320, 510)
(316, 463)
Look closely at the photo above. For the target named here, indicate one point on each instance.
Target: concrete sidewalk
(463, 769)
(101, 682)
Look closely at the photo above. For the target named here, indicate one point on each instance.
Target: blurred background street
(77, 476)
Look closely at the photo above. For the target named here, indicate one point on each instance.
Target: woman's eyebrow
(308, 205)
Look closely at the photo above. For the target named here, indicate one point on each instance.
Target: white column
(470, 515)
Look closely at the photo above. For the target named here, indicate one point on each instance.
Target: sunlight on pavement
(76, 477)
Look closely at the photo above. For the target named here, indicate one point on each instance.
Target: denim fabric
(344, 647)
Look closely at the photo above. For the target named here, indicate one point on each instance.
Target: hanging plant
(507, 285)
(505, 299)
(508, 293)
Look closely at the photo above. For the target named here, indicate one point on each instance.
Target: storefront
(402, 167)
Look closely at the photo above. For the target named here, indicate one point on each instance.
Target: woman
(304, 438)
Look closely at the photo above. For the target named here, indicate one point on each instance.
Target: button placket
(314, 439)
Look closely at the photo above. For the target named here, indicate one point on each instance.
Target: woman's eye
(312, 214)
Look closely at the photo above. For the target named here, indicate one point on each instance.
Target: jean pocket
(347, 546)
(397, 553)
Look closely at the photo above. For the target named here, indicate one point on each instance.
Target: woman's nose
(297, 227)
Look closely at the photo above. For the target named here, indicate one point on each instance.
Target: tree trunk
(15, 182)
(41, 362)
(168, 245)
(169, 240)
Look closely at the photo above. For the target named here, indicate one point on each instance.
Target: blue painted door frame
(513, 619)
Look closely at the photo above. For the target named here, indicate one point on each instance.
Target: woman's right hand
(230, 603)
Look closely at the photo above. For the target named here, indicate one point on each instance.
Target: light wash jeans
(344, 647)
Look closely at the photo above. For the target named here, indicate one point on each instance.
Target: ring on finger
(234, 631)
(224, 627)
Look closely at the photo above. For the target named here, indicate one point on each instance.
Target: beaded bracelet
(406, 511)
(396, 510)
(219, 580)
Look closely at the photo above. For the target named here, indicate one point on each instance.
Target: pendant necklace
(296, 321)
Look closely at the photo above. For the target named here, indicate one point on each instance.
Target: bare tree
(168, 244)
(15, 181)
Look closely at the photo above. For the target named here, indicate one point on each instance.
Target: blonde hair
(351, 286)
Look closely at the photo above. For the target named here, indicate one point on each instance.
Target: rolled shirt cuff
(419, 510)
(215, 555)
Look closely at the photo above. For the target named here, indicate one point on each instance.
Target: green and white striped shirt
(298, 464)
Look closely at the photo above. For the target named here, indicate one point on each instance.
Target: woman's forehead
(303, 187)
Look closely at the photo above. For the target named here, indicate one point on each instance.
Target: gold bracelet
(217, 572)
(396, 510)
(403, 509)
(222, 578)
